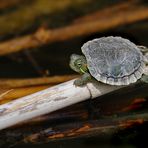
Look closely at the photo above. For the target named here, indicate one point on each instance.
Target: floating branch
(49, 100)
(44, 36)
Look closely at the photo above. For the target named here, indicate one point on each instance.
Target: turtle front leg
(83, 80)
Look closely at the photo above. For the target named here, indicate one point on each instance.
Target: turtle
(112, 60)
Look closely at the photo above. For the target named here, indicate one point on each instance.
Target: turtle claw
(144, 78)
(79, 82)
(83, 80)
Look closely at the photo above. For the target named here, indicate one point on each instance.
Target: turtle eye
(79, 64)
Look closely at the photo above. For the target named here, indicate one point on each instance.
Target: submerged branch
(75, 128)
(107, 12)
(102, 127)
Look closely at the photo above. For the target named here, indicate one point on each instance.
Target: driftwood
(43, 36)
(49, 100)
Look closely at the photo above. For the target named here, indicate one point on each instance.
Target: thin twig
(34, 63)
(4, 94)
(16, 93)
(27, 82)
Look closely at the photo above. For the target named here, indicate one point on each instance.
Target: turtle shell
(114, 60)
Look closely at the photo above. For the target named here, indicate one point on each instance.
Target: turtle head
(78, 63)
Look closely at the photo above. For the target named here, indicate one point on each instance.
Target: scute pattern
(114, 60)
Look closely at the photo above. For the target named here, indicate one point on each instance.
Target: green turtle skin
(79, 64)
(110, 60)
